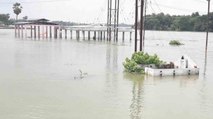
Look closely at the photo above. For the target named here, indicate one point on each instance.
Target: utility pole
(207, 29)
(136, 24)
(141, 26)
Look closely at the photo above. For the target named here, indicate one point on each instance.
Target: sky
(95, 11)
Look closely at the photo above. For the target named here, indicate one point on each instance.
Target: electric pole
(207, 29)
(136, 24)
(141, 25)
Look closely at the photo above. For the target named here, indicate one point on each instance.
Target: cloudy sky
(93, 11)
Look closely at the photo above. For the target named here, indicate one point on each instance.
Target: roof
(37, 22)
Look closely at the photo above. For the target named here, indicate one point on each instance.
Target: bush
(140, 58)
(175, 42)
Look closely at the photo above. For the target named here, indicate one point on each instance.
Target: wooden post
(65, 33)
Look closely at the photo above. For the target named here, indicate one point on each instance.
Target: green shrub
(175, 42)
(140, 58)
(132, 66)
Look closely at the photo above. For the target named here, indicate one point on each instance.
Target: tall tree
(17, 8)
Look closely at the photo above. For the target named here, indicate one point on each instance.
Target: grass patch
(175, 42)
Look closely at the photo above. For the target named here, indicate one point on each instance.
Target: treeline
(193, 22)
(5, 19)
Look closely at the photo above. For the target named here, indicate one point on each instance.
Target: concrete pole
(141, 26)
(46, 31)
(42, 32)
(83, 32)
(15, 30)
(65, 33)
(60, 33)
(76, 34)
(22, 33)
(31, 31)
(25, 30)
(38, 32)
(50, 31)
(104, 35)
(123, 36)
(101, 35)
(136, 24)
(130, 35)
(18, 31)
(70, 34)
(34, 32)
(88, 35)
(207, 29)
(94, 38)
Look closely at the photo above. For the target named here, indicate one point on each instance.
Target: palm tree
(17, 9)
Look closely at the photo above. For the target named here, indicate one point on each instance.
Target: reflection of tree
(136, 106)
(137, 95)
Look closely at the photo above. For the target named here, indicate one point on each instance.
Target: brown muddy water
(42, 79)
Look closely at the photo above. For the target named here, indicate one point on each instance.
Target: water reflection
(136, 107)
(111, 58)
(205, 64)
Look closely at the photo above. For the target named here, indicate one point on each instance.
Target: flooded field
(69, 79)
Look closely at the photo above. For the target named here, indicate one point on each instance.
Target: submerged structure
(183, 66)
(39, 28)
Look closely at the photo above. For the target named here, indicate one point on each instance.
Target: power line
(175, 8)
(30, 2)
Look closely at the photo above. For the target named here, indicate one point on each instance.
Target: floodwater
(42, 79)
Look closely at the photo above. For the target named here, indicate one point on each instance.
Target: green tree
(4, 18)
(17, 8)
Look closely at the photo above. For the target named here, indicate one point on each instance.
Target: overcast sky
(93, 11)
